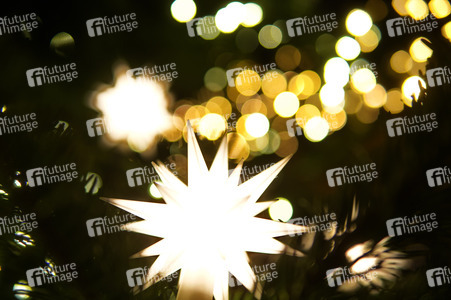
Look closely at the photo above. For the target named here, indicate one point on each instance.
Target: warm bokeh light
(219, 105)
(440, 8)
(394, 102)
(446, 31)
(411, 88)
(316, 129)
(183, 10)
(375, 98)
(281, 210)
(331, 95)
(336, 71)
(248, 82)
(417, 9)
(270, 36)
(305, 113)
(356, 251)
(288, 57)
(212, 126)
(370, 40)
(215, 79)
(286, 104)
(401, 62)
(419, 51)
(364, 265)
(273, 83)
(237, 146)
(254, 106)
(400, 7)
(135, 111)
(257, 125)
(347, 48)
(253, 14)
(358, 22)
(228, 19)
(336, 121)
(363, 80)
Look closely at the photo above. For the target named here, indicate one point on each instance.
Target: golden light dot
(367, 115)
(273, 142)
(311, 81)
(331, 95)
(219, 105)
(253, 15)
(446, 31)
(288, 145)
(347, 48)
(375, 98)
(288, 57)
(259, 144)
(440, 8)
(270, 36)
(215, 79)
(286, 104)
(253, 106)
(370, 40)
(257, 125)
(238, 148)
(211, 30)
(353, 101)
(248, 82)
(241, 128)
(363, 80)
(400, 7)
(316, 129)
(273, 83)
(154, 192)
(183, 10)
(226, 21)
(281, 210)
(336, 70)
(419, 51)
(212, 126)
(401, 62)
(296, 85)
(335, 121)
(394, 103)
(173, 134)
(358, 22)
(305, 113)
(411, 88)
(417, 9)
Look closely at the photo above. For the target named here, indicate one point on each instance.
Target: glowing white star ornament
(208, 225)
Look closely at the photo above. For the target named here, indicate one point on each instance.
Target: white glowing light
(257, 125)
(316, 129)
(183, 10)
(364, 265)
(134, 110)
(358, 22)
(336, 70)
(208, 225)
(230, 17)
(253, 14)
(281, 210)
